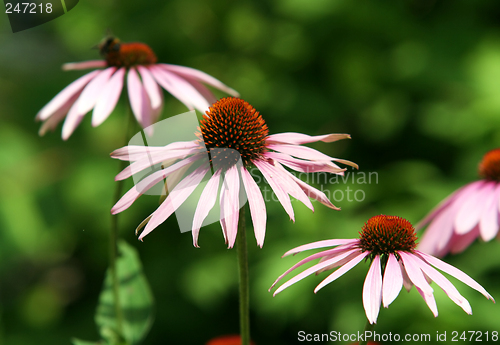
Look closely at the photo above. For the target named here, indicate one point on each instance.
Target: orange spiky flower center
(127, 55)
(387, 235)
(489, 168)
(231, 129)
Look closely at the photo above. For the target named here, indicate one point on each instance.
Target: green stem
(241, 248)
(114, 235)
(368, 328)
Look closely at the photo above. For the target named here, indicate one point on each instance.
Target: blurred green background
(415, 82)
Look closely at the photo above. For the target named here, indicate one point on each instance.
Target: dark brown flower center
(489, 168)
(231, 129)
(120, 54)
(387, 234)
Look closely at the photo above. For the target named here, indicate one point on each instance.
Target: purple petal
(290, 186)
(275, 184)
(341, 271)
(447, 286)
(489, 219)
(299, 138)
(372, 291)
(56, 117)
(455, 272)
(231, 206)
(305, 153)
(393, 281)
(72, 121)
(139, 99)
(93, 90)
(469, 213)
(313, 269)
(203, 90)
(109, 97)
(135, 192)
(178, 195)
(320, 244)
(458, 243)
(62, 98)
(152, 88)
(200, 76)
(135, 152)
(304, 165)
(84, 65)
(438, 209)
(429, 300)
(328, 254)
(163, 79)
(414, 273)
(315, 194)
(205, 204)
(257, 206)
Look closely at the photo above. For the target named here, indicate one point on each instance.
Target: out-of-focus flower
(469, 213)
(232, 131)
(227, 340)
(389, 242)
(100, 89)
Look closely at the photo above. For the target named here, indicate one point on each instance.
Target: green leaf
(136, 300)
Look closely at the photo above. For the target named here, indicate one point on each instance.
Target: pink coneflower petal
(162, 79)
(341, 271)
(267, 170)
(300, 152)
(59, 115)
(108, 98)
(406, 280)
(443, 266)
(154, 92)
(231, 203)
(146, 183)
(135, 152)
(372, 290)
(222, 203)
(488, 224)
(176, 197)
(290, 187)
(313, 269)
(189, 91)
(414, 273)
(320, 244)
(303, 165)
(469, 213)
(257, 206)
(84, 65)
(93, 90)
(200, 76)
(315, 193)
(429, 300)
(393, 281)
(439, 232)
(299, 138)
(203, 90)
(152, 159)
(205, 204)
(327, 255)
(446, 285)
(67, 94)
(139, 99)
(458, 243)
(438, 209)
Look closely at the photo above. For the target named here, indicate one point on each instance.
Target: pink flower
(387, 241)
(231, 130)
(469, 213)
(100, 89)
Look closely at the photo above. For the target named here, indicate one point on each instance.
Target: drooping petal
(84, 65)
(458, 243)
(205, 204)
(151, 87)
(320, 244)
(200, 76)
(469, 213)
(56, 117)
(453, 271)
(437, 210)
(289, 186)
(273, 181)
(446, 285)
(393, 281)
(439, 232)
(341, 271)
(165, 82)
(299, 138)
(429, 300)
(313, 269)
(93, 90)
(372, 291)
(139, 99)
(315, 194)
(231, 203)
(108, 98)
(62, 98)
(128, 199)
(489, 219)
(257, 206)
(303, 165)
(328, 254)
(178, 195)
(203, 90)
(137, 152)
(153, 158)
(414, 273)
(306, 153)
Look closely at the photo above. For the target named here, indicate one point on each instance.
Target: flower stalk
(368, 328)
(241, 248)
